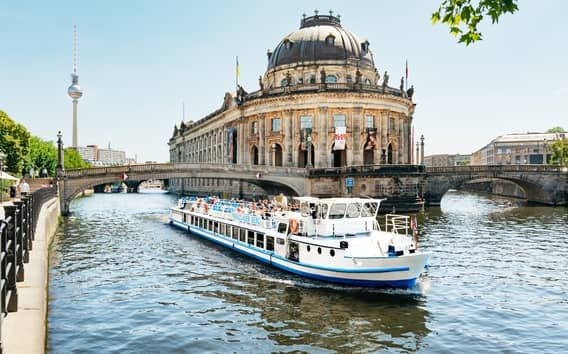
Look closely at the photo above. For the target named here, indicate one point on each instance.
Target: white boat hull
(398, 272)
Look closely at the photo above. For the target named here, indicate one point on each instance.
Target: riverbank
(24, 331)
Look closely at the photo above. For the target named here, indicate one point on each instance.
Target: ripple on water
(122, 280)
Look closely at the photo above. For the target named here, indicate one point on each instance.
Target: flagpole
(237, 74)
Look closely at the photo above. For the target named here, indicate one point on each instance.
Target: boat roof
(337, 200)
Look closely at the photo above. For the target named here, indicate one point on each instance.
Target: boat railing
(398, 224)
(236, 211)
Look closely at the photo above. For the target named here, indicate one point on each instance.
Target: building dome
(321, 40)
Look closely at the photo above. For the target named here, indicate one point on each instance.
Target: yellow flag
(238, 69)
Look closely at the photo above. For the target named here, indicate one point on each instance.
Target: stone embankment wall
(24, 331)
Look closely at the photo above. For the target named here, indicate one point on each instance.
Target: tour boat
(336, 240)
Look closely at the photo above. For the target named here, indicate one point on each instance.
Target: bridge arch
(541, 184)
(73, 182)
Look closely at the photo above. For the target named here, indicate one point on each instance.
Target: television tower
(74, 91)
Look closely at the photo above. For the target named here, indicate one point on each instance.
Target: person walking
(24, 188)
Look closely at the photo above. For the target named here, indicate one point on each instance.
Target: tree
(559, 153)
(14, 142)
(556, 130)
(463, 16)
(43, 154)
(73, 160)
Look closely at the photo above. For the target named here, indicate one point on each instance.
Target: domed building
(321, 103)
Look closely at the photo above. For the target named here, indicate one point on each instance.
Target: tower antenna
(74, 49)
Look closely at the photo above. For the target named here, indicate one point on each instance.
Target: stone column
(322, 154)
(261, 139)
(288, 137)
(356, 121)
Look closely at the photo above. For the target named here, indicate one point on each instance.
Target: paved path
(24, 331)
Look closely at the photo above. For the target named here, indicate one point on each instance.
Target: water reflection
(123, 280)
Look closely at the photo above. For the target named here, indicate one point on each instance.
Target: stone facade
(291, 121)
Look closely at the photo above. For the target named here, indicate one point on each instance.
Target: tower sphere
(74, 91)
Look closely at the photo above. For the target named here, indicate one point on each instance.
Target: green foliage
(559, 153)
(14, 142)
(463, 16)
(73, 160)
(43, 154)
(556, 130)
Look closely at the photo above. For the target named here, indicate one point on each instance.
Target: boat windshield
(354, 210)
(369, 210)
(337, 211)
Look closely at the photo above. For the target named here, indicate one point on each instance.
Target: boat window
(235, 232)
(308, 248)
(305, 208)
(337, 210)
(282, 228)
(250, 238)
(269, 243)
(369, 209)
(223, 229)
(200, 222)
(353, 210)
(280, 241)
(216, 227)
(332, 253)
(323, 210)
(319, 250)
(243, 235)
(260, 240)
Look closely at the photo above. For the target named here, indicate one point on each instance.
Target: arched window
(365, 47)
(330, 40)
(330, 79)
(367, 82)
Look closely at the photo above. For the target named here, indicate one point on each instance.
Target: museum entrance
(368, 157)
(389, 154)
(254, 155)
(276, 155)
(339, 157)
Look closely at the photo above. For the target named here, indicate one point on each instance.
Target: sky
(139, 60)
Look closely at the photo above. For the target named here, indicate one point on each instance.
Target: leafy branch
(463, 16)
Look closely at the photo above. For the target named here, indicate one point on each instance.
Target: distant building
(104, 157)
(442, 160)
(517, 149)
(88, 153)
(112, 157)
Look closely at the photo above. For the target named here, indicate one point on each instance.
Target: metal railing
(181, 166)
(17, 231)
(494, 169)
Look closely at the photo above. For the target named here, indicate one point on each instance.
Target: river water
(122, 280)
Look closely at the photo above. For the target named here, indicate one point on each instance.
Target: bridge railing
(494, 169)
(365, 169)
(174, 167)
(17, 231)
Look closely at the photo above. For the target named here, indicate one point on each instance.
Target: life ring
(293, 226)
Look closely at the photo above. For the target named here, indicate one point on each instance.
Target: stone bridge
(407, 184)
(542, 184)
(289, 180)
